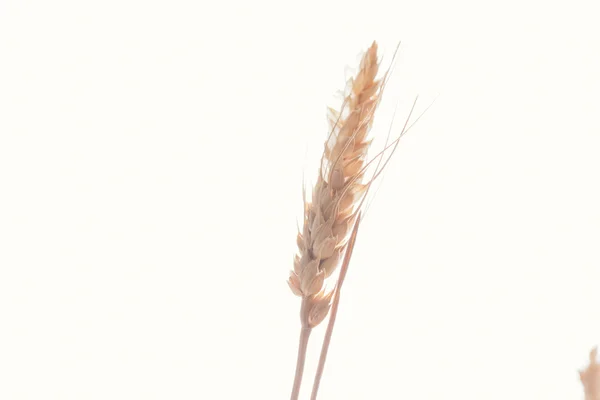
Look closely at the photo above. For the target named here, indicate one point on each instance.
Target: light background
(151, 160)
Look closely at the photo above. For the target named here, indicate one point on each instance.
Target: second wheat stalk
(337, 195)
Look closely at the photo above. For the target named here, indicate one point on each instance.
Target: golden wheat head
(338, 191)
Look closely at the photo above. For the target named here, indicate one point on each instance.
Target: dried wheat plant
(590, 377)
(336, 204)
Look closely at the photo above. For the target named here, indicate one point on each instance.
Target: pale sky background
(151, 161)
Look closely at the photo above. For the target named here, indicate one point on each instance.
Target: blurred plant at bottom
(590, 377)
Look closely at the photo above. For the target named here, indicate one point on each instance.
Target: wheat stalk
(334, 307)
(336, 200)
(336, 205)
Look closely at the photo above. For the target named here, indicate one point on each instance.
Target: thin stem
(302, 347)
(334, 308)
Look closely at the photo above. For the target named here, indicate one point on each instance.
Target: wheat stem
(302, 347)
(333, 312)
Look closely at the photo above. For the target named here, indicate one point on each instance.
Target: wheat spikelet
(339, 189)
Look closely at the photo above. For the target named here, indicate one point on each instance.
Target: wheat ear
(336, 199)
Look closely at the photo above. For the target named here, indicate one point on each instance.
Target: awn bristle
(338, 192)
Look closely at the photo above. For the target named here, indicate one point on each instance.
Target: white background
(151, 162)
